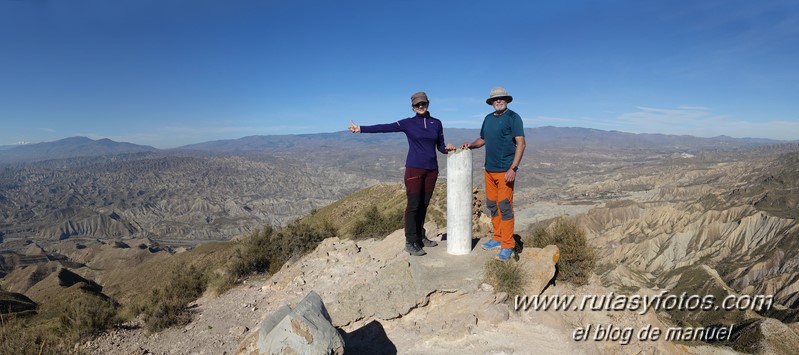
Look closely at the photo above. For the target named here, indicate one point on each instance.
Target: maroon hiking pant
(419, 185)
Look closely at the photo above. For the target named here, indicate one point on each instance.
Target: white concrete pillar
(459, 202)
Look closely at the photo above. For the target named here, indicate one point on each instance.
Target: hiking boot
(504, 254)
(491, 244)
(427, 242)
(414, 249)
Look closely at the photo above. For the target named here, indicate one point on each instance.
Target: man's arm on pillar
(479, 142)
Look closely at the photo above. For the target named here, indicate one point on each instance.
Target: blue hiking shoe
(504, 254)
(491, 244)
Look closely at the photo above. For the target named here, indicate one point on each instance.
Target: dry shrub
(252, 255)
(376, 225)
(266, 250)
(577, 258)
(167, 305)
(20, 336)
(86, 316)
(505, 276)
(296, 240)
(221, 281)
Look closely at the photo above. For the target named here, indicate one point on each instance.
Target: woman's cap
(419, 97)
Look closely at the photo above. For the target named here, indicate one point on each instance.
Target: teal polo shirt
(498, 133)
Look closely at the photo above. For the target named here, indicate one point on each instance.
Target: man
(503, 136)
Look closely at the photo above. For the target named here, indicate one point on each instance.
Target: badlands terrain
(683, 214)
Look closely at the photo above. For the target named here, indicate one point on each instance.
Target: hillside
(734, 222)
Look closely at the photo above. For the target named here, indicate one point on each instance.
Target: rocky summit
(382, 301)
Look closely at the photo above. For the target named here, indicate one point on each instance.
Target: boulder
(306, 329)
(539, 266)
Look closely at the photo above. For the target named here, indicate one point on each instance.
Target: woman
(425, 134)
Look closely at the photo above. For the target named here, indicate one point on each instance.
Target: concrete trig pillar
(459, 202)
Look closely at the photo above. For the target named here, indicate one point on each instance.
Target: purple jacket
(425, 134)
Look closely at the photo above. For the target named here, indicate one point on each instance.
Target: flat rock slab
(440, 271)
(406, 281)
(388, 295)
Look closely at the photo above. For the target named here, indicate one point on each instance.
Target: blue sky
(169, 73)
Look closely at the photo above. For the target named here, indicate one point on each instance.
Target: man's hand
(510, 176)
(479, 142)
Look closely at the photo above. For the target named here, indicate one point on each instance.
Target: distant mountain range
(571, 135)
(72, 147)
(540, 138)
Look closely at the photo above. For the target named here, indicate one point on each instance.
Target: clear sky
(169, 73)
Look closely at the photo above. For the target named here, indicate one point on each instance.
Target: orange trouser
(499, 201)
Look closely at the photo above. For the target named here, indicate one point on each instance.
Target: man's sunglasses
(421, 104)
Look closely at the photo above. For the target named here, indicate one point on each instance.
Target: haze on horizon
(177, 73)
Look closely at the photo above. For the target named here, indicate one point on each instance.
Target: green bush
(167, 304)
(505, 276)
(376, 225)
(577, 258)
